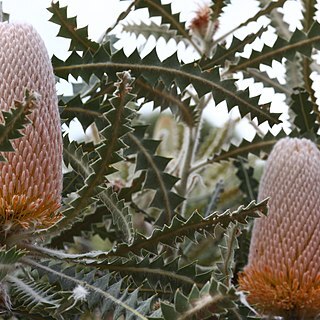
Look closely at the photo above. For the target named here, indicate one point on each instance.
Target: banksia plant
(149, 229)
(283, 273)
(31, 175)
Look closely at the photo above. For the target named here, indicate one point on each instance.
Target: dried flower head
(199, 24)
(31, 178)
(283, 272)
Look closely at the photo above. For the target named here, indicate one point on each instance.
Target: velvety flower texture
(283, 271)
(31, 179)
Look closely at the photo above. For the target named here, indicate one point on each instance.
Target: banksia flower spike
(282, 277)
(31, 178)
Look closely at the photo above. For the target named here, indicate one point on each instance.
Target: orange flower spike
(31, 178)
(282, 277)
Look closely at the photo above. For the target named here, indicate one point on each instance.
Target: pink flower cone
(31, 179)
(283, 272)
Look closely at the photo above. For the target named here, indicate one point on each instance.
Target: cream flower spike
(282, 277)
(31, 179)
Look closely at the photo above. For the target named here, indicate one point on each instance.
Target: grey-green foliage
(157, 209)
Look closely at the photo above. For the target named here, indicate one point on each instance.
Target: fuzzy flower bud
(31, 178)
(199, 24)
(282, 277)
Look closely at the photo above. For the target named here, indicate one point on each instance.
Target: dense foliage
(158, 209)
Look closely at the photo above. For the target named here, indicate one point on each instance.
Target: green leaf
(168, 71)
(264, 78)
(214, 299)
(162, 31)
(74, 155)
(33, 296)
(248, 185)
(72, 181)
(154, 166)
(167, 98)
(156, 178)
(8, 258)
(3, 15)
(305, 119)
(86, 113)
(158, 273)
(256, 146)
(217, 8)
(299, 42)
(95, 221)
(228, 247)
(178, 229)
(69, 29)
(101, 292)
(223, 54)
(309, 11)
(121, 216)
(156, 8)
(294, 73)
(108, 152)
(277, 21)
(266, 10)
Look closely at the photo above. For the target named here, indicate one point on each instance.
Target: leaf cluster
(157, 209)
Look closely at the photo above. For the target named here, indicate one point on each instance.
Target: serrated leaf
(305, 119)
(168, 71)
(156, 8)
(264, 78)
(121, 216)
(227, 248)
(294, 73)
(101, 293)
(152, 29)
(158, 273)
(266, 10)
(156, 178)
(8, 258)
(222, 54)
(32, 296)
(74, 155)
(277, 21)
(203, 304)
(108, 153)
(166, 98)
(299, 42)
(248, 185)
(217, 8)
(68, 29)
(309, 11)
(257, 145)
(86, 113)
(178, 229)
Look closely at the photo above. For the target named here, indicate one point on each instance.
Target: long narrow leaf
(169, 71)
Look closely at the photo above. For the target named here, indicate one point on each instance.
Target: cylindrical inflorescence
(282, 277)
(31, 178)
